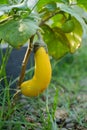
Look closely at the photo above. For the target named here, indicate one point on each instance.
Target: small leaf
(6, 8)
(17, 32)
(71, 11)
(52, 6)
(56, 41)
(3, 1)
(42, 3)
(48, 10)
(82, 2)
(65, 1)
(75, 36)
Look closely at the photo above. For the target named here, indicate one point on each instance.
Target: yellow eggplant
(41, 77)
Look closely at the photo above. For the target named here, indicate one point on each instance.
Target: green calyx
(39, 44)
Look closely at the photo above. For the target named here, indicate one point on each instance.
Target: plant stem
(22, 73)
(52, 15)
(24, 63)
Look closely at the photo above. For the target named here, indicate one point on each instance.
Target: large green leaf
(60, 43)
(17, 32)
(74, 13)
(56, 41)
(74, 37)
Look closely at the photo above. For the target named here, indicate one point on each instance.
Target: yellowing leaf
(56, 41)
(74, 41)
(75, 37)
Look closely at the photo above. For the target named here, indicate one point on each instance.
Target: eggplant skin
(41, 77)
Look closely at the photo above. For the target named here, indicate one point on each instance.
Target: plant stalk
(23, 69)
(52, 15)
(25, 61)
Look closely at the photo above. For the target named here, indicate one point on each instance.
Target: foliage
(20, 32)
(19, 20)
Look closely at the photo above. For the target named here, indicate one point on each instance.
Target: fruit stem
(40, 43)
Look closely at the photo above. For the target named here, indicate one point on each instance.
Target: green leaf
(42, 3)
(67, 42)
(17, 32)
(6, 8)
(82, 2)
(3, 9)
(56, 41)
(52, 6)
(71, 11)
(3, 1)
(75, 36)
(48, 10)
(65, 1)
(81, 11)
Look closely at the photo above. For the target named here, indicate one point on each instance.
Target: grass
(67, 92)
